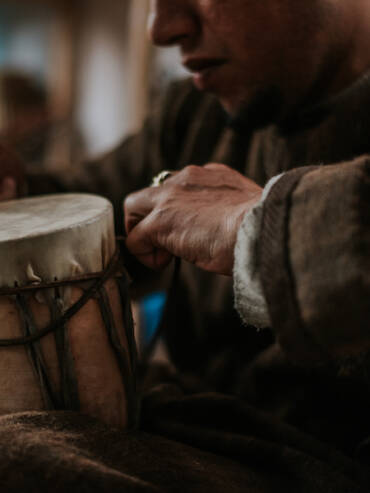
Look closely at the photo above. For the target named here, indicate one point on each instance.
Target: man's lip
(199, 65)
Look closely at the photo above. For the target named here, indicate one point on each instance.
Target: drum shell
(77, 367)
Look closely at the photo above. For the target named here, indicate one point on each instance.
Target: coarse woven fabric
(250, 300)
(206, 443)
(318, 290)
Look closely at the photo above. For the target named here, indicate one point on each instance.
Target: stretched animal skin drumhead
(54, 237)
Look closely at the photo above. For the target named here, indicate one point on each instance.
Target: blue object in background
(151, 310)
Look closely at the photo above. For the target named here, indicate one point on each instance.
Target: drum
(66, 330)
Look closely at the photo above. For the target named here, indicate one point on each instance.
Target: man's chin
(263, 108)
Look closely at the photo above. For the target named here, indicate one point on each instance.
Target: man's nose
(172, 22)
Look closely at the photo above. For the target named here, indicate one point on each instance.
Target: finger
(8, 189)
(229, 176)
(140, 243)
(138, 205)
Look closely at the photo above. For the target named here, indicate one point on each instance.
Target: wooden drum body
(62, 279)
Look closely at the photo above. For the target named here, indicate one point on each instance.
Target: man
(294, 75)
(299, 73)
(303, 67)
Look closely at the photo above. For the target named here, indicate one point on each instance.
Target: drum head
(54, 237)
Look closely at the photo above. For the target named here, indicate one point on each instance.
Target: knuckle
(130, 201)
(191, 170)
(218, 165)
(189, 175)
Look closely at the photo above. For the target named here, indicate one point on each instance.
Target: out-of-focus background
(76, 76)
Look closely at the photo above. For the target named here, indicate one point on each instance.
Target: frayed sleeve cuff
(249, 297)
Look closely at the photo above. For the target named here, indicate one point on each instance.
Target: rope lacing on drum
(100, 279)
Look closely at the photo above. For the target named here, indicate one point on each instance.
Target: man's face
(240, 49)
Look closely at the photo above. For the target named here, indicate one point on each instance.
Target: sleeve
(314, 261)
(250, 300)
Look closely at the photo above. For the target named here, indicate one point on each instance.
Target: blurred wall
(118, 71)
(102, 73)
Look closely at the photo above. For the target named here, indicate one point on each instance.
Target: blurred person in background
(28, 126)
(25, 116)
(294, 81)
(12, 178)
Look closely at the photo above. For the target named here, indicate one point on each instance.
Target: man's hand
(8, 189)
(194, 215)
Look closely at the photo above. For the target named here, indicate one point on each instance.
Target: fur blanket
(201, 443)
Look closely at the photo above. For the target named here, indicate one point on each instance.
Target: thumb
(140, 244)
